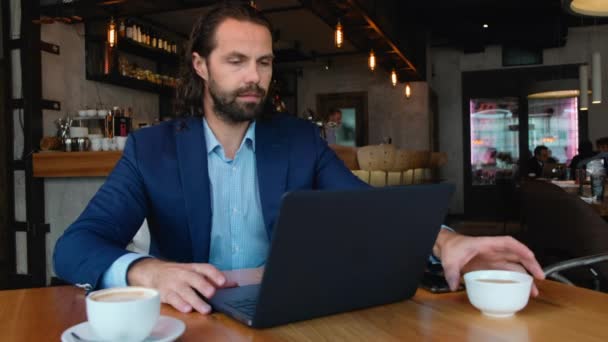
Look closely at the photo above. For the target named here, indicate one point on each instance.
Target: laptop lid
(335, 251)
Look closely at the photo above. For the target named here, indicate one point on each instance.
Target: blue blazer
(163, 177)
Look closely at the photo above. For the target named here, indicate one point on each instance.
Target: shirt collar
(212, 142)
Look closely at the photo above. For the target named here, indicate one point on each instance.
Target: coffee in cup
(123, 314)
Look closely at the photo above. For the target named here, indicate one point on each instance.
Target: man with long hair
(210, 183)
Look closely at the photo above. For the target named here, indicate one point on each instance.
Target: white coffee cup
(106, 144)
(123, 314)
(120, 142)
(95, 144)
(498, 293)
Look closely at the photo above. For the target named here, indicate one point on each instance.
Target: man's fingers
(200, 284)
(515, 251)
(453, 269)
(210, 272)
(194, 300)
(173, 299)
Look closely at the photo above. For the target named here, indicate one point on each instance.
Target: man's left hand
(460, 254)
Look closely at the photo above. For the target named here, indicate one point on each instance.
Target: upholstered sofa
(385, 165)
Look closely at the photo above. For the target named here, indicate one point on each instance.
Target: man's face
(543, 155)
(238, 71)
(336, 118)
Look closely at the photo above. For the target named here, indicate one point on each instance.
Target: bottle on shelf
(122, 29)
(154, 41)
(129, 30)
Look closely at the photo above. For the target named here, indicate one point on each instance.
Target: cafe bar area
(303, 170)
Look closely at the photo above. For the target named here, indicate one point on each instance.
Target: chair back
(560, 226)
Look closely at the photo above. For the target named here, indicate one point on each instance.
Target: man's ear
(200, 66)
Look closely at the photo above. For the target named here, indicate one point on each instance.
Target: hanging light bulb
(372, 61)
(408, 91)
(584, 87)
(596, 78)
(394, 77)
(339, 35)
(112, 33)
(252, 3)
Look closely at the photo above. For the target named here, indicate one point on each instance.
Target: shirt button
(234, 168)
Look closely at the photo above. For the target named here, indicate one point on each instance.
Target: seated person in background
(536, 163)
(210, 183)
(330, 128)
(585, 150)
(602, 146)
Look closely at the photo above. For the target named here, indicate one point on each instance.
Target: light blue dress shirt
(238, 234)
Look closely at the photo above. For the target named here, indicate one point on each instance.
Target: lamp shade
(554, 89)
(594, 8)
(583, 79)
(596, 78)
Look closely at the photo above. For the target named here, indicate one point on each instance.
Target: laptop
(336, 251)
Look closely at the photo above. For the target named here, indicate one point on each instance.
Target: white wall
(448, 64)
(406, 121)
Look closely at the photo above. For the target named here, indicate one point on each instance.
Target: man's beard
(227, 108)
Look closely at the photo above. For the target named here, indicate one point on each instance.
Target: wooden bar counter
(74, 164)
(560, 313)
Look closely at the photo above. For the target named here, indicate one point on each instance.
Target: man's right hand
(177, 282)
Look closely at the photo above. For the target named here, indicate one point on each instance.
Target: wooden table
(561, 313)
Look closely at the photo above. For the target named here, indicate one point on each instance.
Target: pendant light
(339, 35)
(596, 78)
(372, 60)
(394, 77)
(583, 79)
(408, 90)
(112, 33)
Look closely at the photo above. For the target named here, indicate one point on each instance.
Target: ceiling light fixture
(112, 33)
(394, 77)
(485, 26)
(339, 35)
(372, 60)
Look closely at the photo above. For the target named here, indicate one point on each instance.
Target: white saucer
(167, 329)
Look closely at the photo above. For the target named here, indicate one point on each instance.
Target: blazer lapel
(194, 175)
(272, 161)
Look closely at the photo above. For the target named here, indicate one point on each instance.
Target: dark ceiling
(406, 24)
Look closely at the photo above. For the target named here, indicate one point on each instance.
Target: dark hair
(602, 141)
(539, 149)
(189, 101)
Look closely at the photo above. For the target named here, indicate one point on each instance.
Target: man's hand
(177, 282)
(460, 254)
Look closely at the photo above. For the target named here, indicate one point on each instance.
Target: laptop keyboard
(246, 306)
